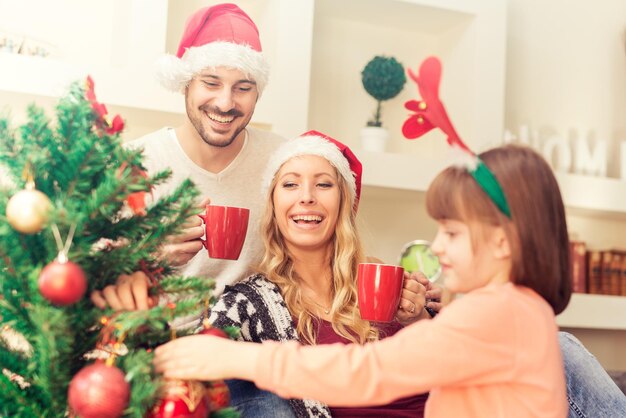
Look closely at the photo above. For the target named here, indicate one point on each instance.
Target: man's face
(220, 103)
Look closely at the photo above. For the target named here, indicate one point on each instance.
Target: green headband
(488, 182)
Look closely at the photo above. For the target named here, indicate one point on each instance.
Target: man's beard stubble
(206, 136)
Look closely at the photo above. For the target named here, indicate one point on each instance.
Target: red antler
(429, 112)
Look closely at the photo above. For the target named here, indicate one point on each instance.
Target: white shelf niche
(469, 38)
(118, 50)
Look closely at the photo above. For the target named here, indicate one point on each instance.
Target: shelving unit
(597, 196)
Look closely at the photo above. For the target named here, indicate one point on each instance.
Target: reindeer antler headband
(430, 113)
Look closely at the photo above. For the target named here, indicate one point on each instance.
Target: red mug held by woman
(380, 289)
(226, 228)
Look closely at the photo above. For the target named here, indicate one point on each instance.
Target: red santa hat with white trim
(218, 36)
(338, 155)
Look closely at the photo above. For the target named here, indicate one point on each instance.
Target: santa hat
(316, 143)
(219, 36)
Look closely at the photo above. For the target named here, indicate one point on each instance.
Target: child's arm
(335, 374)
(205, 357)
(459, 347)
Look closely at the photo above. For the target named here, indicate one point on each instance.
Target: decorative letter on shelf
(590, 162)
(563, 160)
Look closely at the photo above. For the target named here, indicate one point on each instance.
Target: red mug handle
(204, 243)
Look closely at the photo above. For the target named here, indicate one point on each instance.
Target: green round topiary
(383, 78)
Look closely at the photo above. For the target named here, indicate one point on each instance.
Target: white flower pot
(374, 138)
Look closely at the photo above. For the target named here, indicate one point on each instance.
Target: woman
(306, 288)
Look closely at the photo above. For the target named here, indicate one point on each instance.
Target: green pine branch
(88, 175)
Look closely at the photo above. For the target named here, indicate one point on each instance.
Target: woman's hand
(413, 299)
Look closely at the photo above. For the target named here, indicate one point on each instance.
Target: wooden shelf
(594, 312)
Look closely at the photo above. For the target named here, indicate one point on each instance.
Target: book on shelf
(605, 278)
(614, 282)
(606, 272)
(623, 278)
(578, 262)
(594, 271)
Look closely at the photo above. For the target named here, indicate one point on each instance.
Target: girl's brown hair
(347, 253)
(537, 229)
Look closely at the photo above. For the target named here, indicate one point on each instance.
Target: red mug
(225, 228)
(380, 289)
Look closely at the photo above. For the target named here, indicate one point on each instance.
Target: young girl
(491, 353)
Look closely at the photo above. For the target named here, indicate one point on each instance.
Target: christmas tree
(75, 220)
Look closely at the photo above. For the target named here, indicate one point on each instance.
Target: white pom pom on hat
(315, 143)
(218, 36)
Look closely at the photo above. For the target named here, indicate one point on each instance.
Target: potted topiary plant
(383, 78)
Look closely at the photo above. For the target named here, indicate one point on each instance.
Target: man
(222, 72)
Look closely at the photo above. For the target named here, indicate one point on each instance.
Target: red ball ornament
(99, 391)
(181, 399)
(209, 330)
(62, 283)
(218, 395)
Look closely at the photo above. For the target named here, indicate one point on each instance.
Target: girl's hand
(434, 294)
(413, 299)
(205, 357)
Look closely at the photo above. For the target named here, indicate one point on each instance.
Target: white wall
(566, 72)
(566, 67)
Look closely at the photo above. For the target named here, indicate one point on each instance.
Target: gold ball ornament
(27, 211)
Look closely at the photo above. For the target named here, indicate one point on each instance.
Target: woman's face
(306, 202)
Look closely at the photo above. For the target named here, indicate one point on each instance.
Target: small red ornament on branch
(104, 122)
(62, 282)
(181, 399)
(137, 200)
(218, 395)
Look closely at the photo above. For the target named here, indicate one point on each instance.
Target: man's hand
(179, 249)
(129, 294)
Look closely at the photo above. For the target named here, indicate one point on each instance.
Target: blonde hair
(277, 266)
